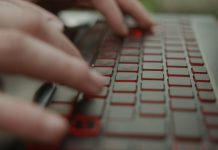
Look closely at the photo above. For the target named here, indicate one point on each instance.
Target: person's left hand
(31, 43)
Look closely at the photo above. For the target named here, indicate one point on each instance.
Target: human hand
(113, 10)
(31, 43)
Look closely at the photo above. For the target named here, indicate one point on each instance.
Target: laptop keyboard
(157, 95)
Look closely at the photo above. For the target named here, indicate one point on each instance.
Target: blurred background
(182, 6)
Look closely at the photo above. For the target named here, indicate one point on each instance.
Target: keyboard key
(213, 134)
(196, 61)
(210, 109)
(183, 105)
(176, 63)
(130, 44)
(192, 48)
(152, 97)
(129, 59)
(186, 126)
(152, 45)
(153, 38)
(152, 58)
(207, 96)
(153, 51)
(211, 121)
(152, 110)
(182, 72)
(181, 92)
(126, 77)
(102, 94)
(204, 86)
(92, 107)
(201, 78)
(127, 68)
(175, 43)
(174, 48)
(126, 143)
(136, 32)
(107, 55)
(194, 55)
(63, 109)
(152, 75)
(175, 55)
(188, 146)
(190, 39)
(106, 71)
(130, 52)
(125, 87)
(64, 94)
(85, 126)
(179, 81)
(123, 99)
(141, 128)
(113, 144)
(152, 85)
(104, 63)
(199, 69)
(120, 113)
(153, 66)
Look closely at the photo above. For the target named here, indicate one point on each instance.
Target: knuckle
(13, 42)
(34, 22)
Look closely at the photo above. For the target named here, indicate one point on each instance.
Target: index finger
(33, 57)
(137, 11)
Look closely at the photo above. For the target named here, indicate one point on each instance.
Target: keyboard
(157, 96)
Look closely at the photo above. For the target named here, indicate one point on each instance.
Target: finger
(46, 14)
(137, 11)
(113, 14)
(33, 57)
(33, 23)
(29, 121)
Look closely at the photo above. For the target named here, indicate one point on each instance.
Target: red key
(83, 126)
(136, 33)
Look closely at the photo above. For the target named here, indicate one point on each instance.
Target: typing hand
(113, 10)
(31, 43)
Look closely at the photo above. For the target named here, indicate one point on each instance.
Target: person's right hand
(31, 43)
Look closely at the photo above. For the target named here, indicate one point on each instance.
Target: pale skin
(31, 43)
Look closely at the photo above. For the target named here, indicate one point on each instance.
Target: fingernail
(97, 78)
(55, 128)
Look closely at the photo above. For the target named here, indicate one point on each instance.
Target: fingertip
(97, 82)
(55, 127)
(56, 24)
(97, 78)
(125, 31)
(147, 22)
